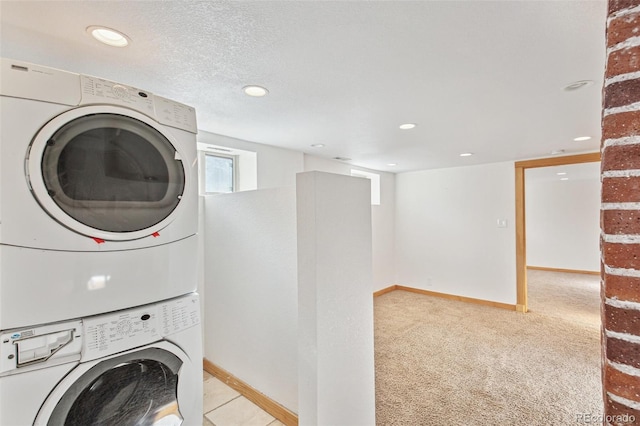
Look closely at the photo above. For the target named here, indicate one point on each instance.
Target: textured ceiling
(478, 76)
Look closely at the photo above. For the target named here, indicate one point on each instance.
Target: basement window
(219, 174)
(375, 184)
(224, 169)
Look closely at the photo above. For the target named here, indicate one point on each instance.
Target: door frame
(521, 237)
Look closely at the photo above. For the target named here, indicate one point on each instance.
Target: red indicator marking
(98, 240)
(155, 234)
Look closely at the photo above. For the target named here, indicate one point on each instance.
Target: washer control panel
(116, 332)
(95, 337)
(179, 314)
(120, 331)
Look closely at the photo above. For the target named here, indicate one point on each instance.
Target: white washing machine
(98, 196)
(139, 366)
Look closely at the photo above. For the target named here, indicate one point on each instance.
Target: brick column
(620, 216)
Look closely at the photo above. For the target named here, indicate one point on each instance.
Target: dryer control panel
(100, 91)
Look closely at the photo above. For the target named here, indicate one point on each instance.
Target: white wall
(200, 273)
(276, 166)
(251, 286)
(336, 360)
(447, 239)
(382, 218)
(563, 229)
(232, 264)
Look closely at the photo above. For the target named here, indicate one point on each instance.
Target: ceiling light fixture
(557, 152)
(392, 164)
(564, 178)
(466, 154)
(577, 85)
(582, 138)
(108, 36)
(561, 173)
(255, 91)
(407, 126)
(317, 145)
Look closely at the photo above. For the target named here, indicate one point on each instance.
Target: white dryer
(138, 366)
(98, 196)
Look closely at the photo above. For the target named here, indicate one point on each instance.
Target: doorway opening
(521, 240)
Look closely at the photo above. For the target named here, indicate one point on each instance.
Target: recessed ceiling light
(561, 173)
(392, 164)
(407, 126)
(582, 138)
(564, 178)
(108, 36)
(557, 152)
(466, 154)
(577, 85)
(256, 91)
(317, 145)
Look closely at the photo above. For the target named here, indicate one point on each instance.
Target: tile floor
(223, 406)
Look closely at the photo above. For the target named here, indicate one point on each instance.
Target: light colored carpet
(441, 362)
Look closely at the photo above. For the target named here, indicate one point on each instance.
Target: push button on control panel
(120, 91)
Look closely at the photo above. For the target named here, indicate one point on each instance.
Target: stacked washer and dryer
(99, 319)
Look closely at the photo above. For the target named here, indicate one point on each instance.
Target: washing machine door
(106, 172)
(137, 388)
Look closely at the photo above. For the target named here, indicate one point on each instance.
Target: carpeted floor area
(442, 362)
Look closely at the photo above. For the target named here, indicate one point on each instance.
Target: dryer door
(137, 388)
(106, 172)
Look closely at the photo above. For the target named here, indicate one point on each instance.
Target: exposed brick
(623, 61)
(622, 288)
(618, 5)
(618, 222)
(623, 352)
(621, 189)
(622, 320)
(623, 28)
(620, 415)
(622, 384)
(619, 255)
(620, 125)
(622, 93)
(621, 222)
(621, 157)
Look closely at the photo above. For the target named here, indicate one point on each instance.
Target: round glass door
(106, 172)
(134, 389)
